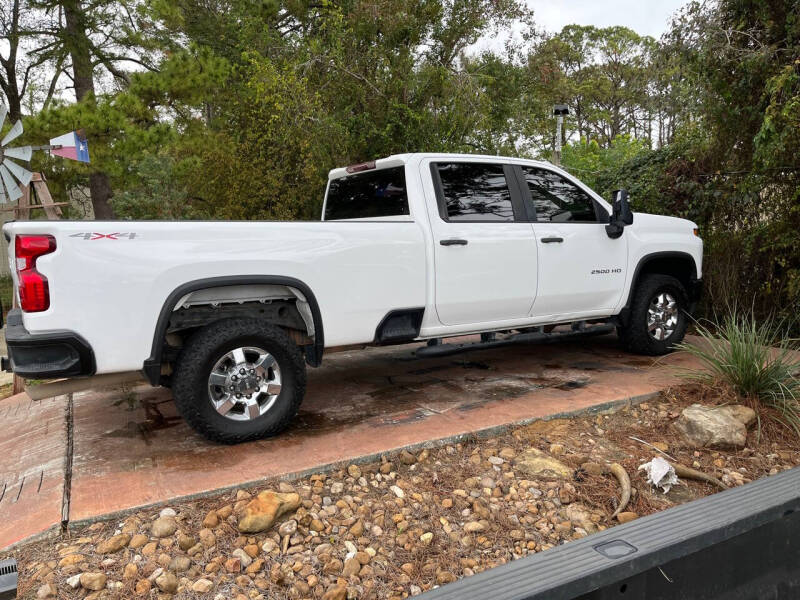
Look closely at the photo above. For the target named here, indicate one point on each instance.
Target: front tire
(658, 318)
(238, 380)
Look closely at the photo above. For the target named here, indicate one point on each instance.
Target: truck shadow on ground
(384, 387)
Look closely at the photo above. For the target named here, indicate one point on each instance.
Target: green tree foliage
(159, 191)
(597, 166)
(266, 161)
(603, 75)
(237, 109)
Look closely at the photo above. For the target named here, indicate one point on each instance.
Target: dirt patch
(410, 522)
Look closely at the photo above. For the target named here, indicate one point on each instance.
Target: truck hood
(662, 223)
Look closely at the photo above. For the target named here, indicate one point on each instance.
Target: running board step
(536, 337)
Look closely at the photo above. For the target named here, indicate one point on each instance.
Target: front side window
(558, 200)
(475, 192)
(372, 194)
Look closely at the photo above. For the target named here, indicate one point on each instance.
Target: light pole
(559, 110)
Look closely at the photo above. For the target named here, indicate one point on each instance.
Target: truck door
(484, 251)
(581, 269)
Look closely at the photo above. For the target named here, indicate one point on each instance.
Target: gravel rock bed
(400, 526)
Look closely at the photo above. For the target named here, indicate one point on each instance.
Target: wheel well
(281, 304)
(283, 301)
(274, 304)
(283, 313)
(679, 266)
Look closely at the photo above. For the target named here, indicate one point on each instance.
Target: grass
(755, 359)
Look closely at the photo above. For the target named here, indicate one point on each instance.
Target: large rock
(202, 586)
(93, 581)
(338, 592)
(113, 544)
(715, 426)
(351, 567)
(48, 590)
(581, 515)
(180, 564)
(535, 463)
(745, 414)
(261, 512)
(167, 582)
(164, 527)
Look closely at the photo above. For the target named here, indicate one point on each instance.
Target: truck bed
(119, 274)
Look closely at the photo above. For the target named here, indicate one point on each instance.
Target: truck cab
(514, 242)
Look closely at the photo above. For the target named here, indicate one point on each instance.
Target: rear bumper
(45, 355)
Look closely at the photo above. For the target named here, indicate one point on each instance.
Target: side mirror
(621, 214)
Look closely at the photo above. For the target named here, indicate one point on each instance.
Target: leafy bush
(159, 192)
(595, 165)
(756, 359)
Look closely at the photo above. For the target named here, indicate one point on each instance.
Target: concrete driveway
(88, 456)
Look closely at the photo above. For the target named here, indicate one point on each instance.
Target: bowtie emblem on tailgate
(93, 235)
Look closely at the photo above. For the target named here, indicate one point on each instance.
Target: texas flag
(73, 146)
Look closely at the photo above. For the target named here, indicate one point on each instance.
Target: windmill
(10, 170)
(16, 180)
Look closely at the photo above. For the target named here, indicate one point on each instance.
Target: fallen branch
(622, 476)
(688, 473)
(651, 446)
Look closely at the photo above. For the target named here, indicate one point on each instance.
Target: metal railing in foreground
(8, 579)
(740, 544)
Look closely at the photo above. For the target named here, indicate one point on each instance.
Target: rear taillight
(34, 293)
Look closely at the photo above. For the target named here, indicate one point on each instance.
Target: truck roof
(396, 160)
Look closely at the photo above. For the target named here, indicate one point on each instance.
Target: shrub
(755, 359)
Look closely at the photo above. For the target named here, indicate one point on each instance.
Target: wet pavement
(104, 453)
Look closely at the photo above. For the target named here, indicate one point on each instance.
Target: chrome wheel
(244, 383)
(662, 316)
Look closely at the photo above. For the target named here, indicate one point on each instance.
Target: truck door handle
(552, 240)
(453, 242)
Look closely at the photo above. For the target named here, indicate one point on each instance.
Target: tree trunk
(100, 188)
(77, 43)
(8, 80)
(11, 90)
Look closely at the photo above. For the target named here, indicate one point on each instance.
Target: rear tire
(228, 407)
(658, 317)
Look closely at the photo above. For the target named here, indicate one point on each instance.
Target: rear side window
(475, 192)
(368, 195)
(557, 200)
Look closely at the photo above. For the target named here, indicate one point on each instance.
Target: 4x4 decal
(93, 235)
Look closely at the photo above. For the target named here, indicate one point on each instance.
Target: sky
(645, 17)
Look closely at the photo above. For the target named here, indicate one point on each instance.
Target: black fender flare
(625, 312)
(313, 352)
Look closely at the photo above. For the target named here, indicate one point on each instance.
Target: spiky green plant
(755, 358)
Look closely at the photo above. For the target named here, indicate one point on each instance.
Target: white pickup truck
(411, 247)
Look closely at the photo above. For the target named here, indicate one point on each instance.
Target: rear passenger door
(581, 269)
(484, 251)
